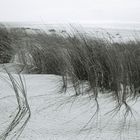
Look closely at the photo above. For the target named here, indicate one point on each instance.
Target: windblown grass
(108, 67)
(6, 50)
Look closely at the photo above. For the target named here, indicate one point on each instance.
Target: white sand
(50, 121)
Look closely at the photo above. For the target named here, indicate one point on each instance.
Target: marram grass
(106, 66)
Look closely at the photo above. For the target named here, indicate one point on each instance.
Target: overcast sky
(68, 11)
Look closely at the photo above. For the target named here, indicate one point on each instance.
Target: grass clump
(108, 67)
(5, 45)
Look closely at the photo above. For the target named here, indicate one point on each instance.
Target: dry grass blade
(23, 112)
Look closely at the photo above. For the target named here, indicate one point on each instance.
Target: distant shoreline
(105, 25)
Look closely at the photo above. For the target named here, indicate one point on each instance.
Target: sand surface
(56, 116)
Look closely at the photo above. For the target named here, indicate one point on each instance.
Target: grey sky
(66, 11)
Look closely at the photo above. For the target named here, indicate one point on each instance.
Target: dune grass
(108, 67)
(6, 50)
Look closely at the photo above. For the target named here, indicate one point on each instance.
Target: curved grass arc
(23, 110)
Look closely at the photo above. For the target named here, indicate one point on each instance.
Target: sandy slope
(56, 116)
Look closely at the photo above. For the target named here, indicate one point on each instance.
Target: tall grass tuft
(106, 66)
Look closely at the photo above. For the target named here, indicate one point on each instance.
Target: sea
(113, 31)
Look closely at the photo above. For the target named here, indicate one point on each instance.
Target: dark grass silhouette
(108, 67)
(6, 50)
